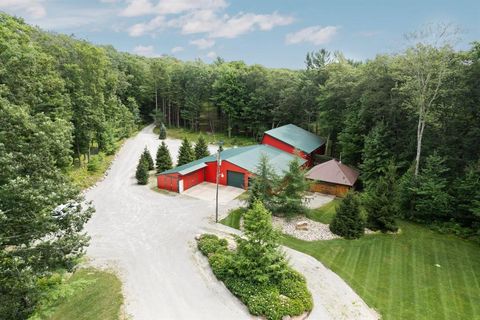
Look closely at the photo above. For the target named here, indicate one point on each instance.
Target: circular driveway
(148, 237)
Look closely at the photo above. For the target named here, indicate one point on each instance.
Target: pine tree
(164, 160)
(259, 259)
(432, 201)
(347, 222)
(375, 155)
(148, 158)
(163, 132)
(185, 154)
(142, 171)
(467, 198)
(380, 202)
(294, 185)
(262, 184)
(201, 148)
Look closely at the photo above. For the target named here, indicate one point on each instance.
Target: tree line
(63, 99)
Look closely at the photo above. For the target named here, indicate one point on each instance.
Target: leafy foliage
(348, 222)
(163, 158)
(41, 213)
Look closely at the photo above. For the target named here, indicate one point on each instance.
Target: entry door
(235, 179)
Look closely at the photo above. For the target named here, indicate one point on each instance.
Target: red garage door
(193, 178)
(168, 182)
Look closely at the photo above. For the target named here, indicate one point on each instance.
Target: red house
(291, 138)
(238, 164)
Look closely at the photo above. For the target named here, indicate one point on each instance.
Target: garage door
(235, 179)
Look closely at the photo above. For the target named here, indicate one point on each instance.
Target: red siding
(271, 141)
(193, 178)
(211, 171)
(168, 181)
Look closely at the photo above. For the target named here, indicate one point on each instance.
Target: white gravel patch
(315, 230)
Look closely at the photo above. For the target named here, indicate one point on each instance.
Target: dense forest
(62, 99)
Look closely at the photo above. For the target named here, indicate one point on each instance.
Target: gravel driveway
(148, 237)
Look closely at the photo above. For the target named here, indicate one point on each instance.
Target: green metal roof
(297, 137)
(245, 157)
(191, 166)
(249, 157)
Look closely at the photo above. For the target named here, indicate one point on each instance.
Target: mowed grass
(180, 133)
(398, 276)
(325, 213)
(233, 218)
(100, 299)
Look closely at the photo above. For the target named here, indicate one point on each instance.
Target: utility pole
(219, 163)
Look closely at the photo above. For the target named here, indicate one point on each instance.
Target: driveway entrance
(207, 190)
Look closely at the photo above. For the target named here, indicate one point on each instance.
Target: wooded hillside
(61, 99)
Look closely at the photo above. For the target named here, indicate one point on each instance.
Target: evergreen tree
(148, 158)
(432, 201)
(201, 148)
(142, 171)
(406, 194)
(259, 259)
(164, 160)
(380, 201)
(185, 154)
(348, 222)
(467, 198)
(294, 185)
(262, 184)
(351, 139)
(163, 132)
(375, 155)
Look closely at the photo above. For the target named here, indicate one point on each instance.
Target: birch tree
(424, 69)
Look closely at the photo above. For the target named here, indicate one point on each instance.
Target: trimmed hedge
(287, 296)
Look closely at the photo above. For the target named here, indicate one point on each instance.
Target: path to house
(148, 237)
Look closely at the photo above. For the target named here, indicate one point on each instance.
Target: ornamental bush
(163, 132)
(142, 171)
(257, 272)
(148, 158)
(163, 158)
(348, 222)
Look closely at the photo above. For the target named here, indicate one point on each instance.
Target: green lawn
(180, 133)
(233, 218)
(325, 213)
(100, 299)
(398, 276)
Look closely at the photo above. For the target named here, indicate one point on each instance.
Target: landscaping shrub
(257, 272)
(201, 148)
(163, 158)
(163, 132)
(347, 222)
(95, 163)
(209, 243)
(142, 171)
(148, 158)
